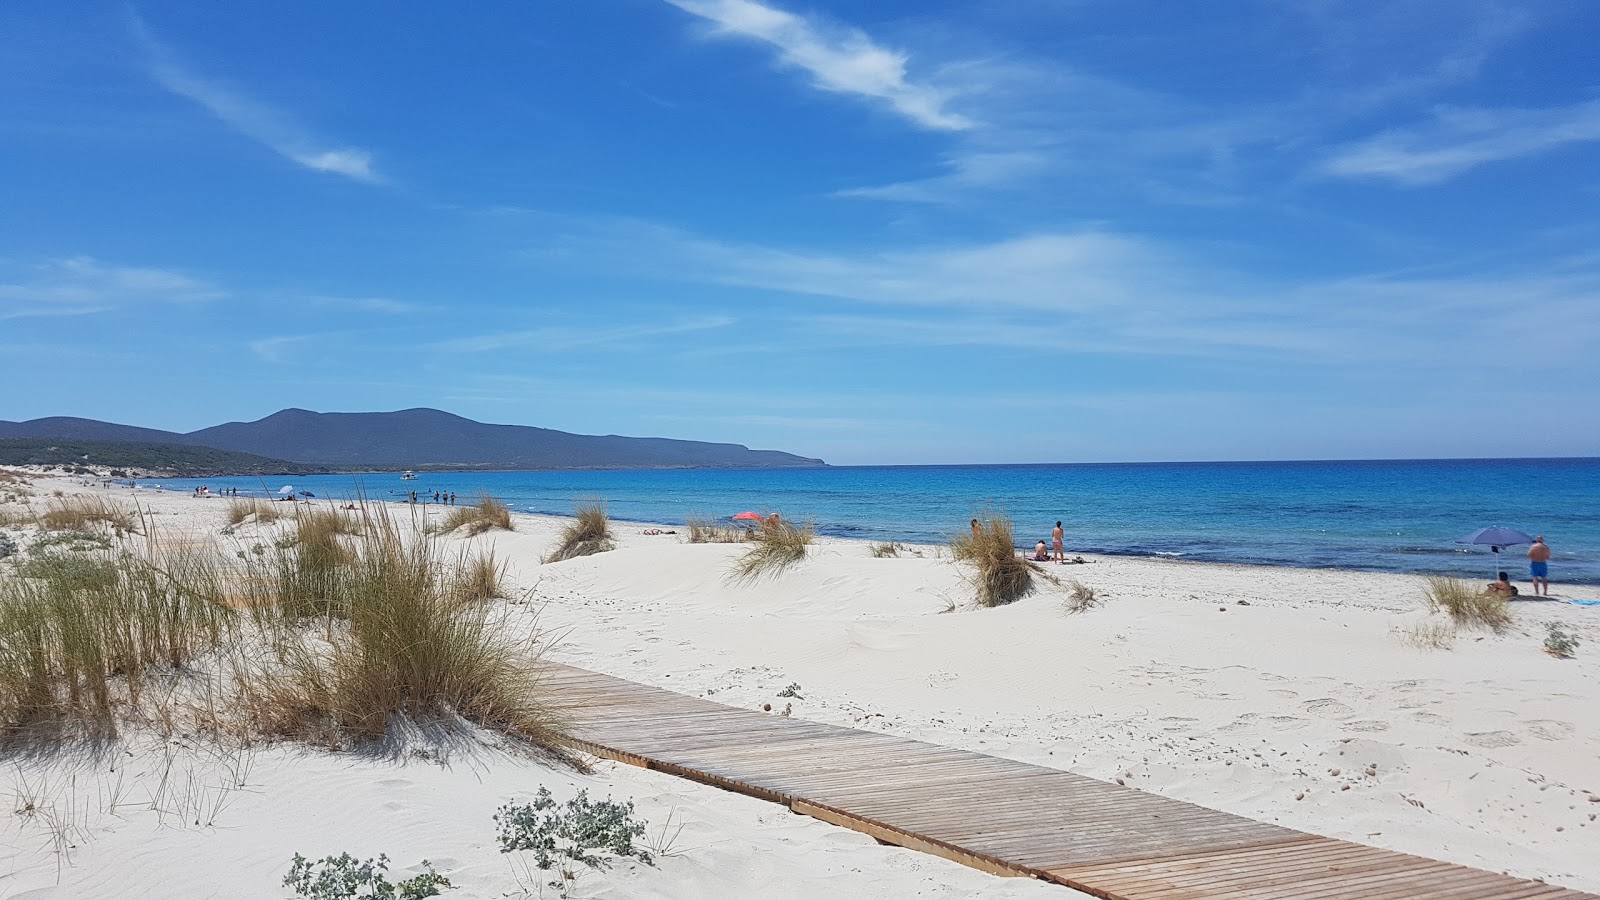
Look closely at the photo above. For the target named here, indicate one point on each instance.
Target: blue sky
(1010, 231)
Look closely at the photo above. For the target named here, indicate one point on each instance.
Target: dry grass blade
(778, 545)
(487, 514)
(1466, 605)
(588, 534)
(886, 550)
(79, 512)
(999, 574)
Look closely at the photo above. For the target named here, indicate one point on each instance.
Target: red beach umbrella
(747, 517)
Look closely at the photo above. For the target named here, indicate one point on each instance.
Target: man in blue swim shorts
(1539, 566)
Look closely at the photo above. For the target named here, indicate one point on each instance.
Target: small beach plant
(1466, 605)
(779, 544)
(886, 550)
(999, 574)
(577, 831)
(344, 877)
(588, 533)
(487, 514)
(1559, 642)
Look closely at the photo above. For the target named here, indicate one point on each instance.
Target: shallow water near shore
(1394, 516)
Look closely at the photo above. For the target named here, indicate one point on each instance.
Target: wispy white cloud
(255, 120)
(81, 285)
(839, 58)
(565, 337)
(1459, 140)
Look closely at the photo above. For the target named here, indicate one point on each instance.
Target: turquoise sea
(1396, 516)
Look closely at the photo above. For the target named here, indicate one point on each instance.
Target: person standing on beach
(1539, 566)
(1056, 536)
(977, 530)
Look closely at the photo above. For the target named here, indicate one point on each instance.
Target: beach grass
(999, 574)
(487, 514)
(79, 513)
(1081, 597)
(588, 533)
(79, 633)
(403, 645)
(241, 508)
(479, 577)
(885, 550)
(1466, 604)
(704, 530)
(778, 545)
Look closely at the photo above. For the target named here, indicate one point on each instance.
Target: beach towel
(1585, 602)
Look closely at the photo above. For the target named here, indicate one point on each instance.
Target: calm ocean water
(1394, 516)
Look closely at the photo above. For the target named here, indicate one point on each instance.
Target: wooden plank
(1001, 816)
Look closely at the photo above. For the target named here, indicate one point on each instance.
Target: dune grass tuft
(709, 531)
(1466, 604)
(1081, 597)
(403, 645)
(241, 508)
(779, 544)
(1430, 635)
(80, 512)
(886, 550)
(480, 577)
(79, 633)
(485, 515)
(998, 573)
(588, 533)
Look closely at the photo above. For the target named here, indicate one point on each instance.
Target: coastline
(1261, 690)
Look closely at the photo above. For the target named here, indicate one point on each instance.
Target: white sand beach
(1287, 695)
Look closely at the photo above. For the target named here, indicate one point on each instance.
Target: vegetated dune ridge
(1295, 696)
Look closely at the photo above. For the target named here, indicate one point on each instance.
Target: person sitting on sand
(1503, 588)
(1041, 552)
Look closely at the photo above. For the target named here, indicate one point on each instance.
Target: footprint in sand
(1327, 708)
(1368, 725)
(1550, 729)
(1285, 694)
(1431, 718)
(1492, 739)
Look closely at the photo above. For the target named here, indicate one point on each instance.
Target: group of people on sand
(1538, 570)
(206, 491)
(1055, 552)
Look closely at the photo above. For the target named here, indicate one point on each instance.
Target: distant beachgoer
(1502, 588)
(1539, 566)
(977, 530)
(773, 521)
(452, 498)
(1040, 552)
(1056, 536)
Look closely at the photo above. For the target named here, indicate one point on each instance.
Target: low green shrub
(343, 877)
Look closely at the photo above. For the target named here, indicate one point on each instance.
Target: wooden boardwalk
(999, 815)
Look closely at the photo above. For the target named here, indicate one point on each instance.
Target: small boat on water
(408, 475)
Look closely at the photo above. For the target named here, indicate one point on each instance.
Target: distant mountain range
(414, 439)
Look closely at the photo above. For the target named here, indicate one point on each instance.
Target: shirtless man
(1539, 566)
(1056, 536)
(1503, 588)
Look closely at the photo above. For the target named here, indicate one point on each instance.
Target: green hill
(169, 460)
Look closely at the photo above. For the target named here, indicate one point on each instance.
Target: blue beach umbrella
(1495, 538)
